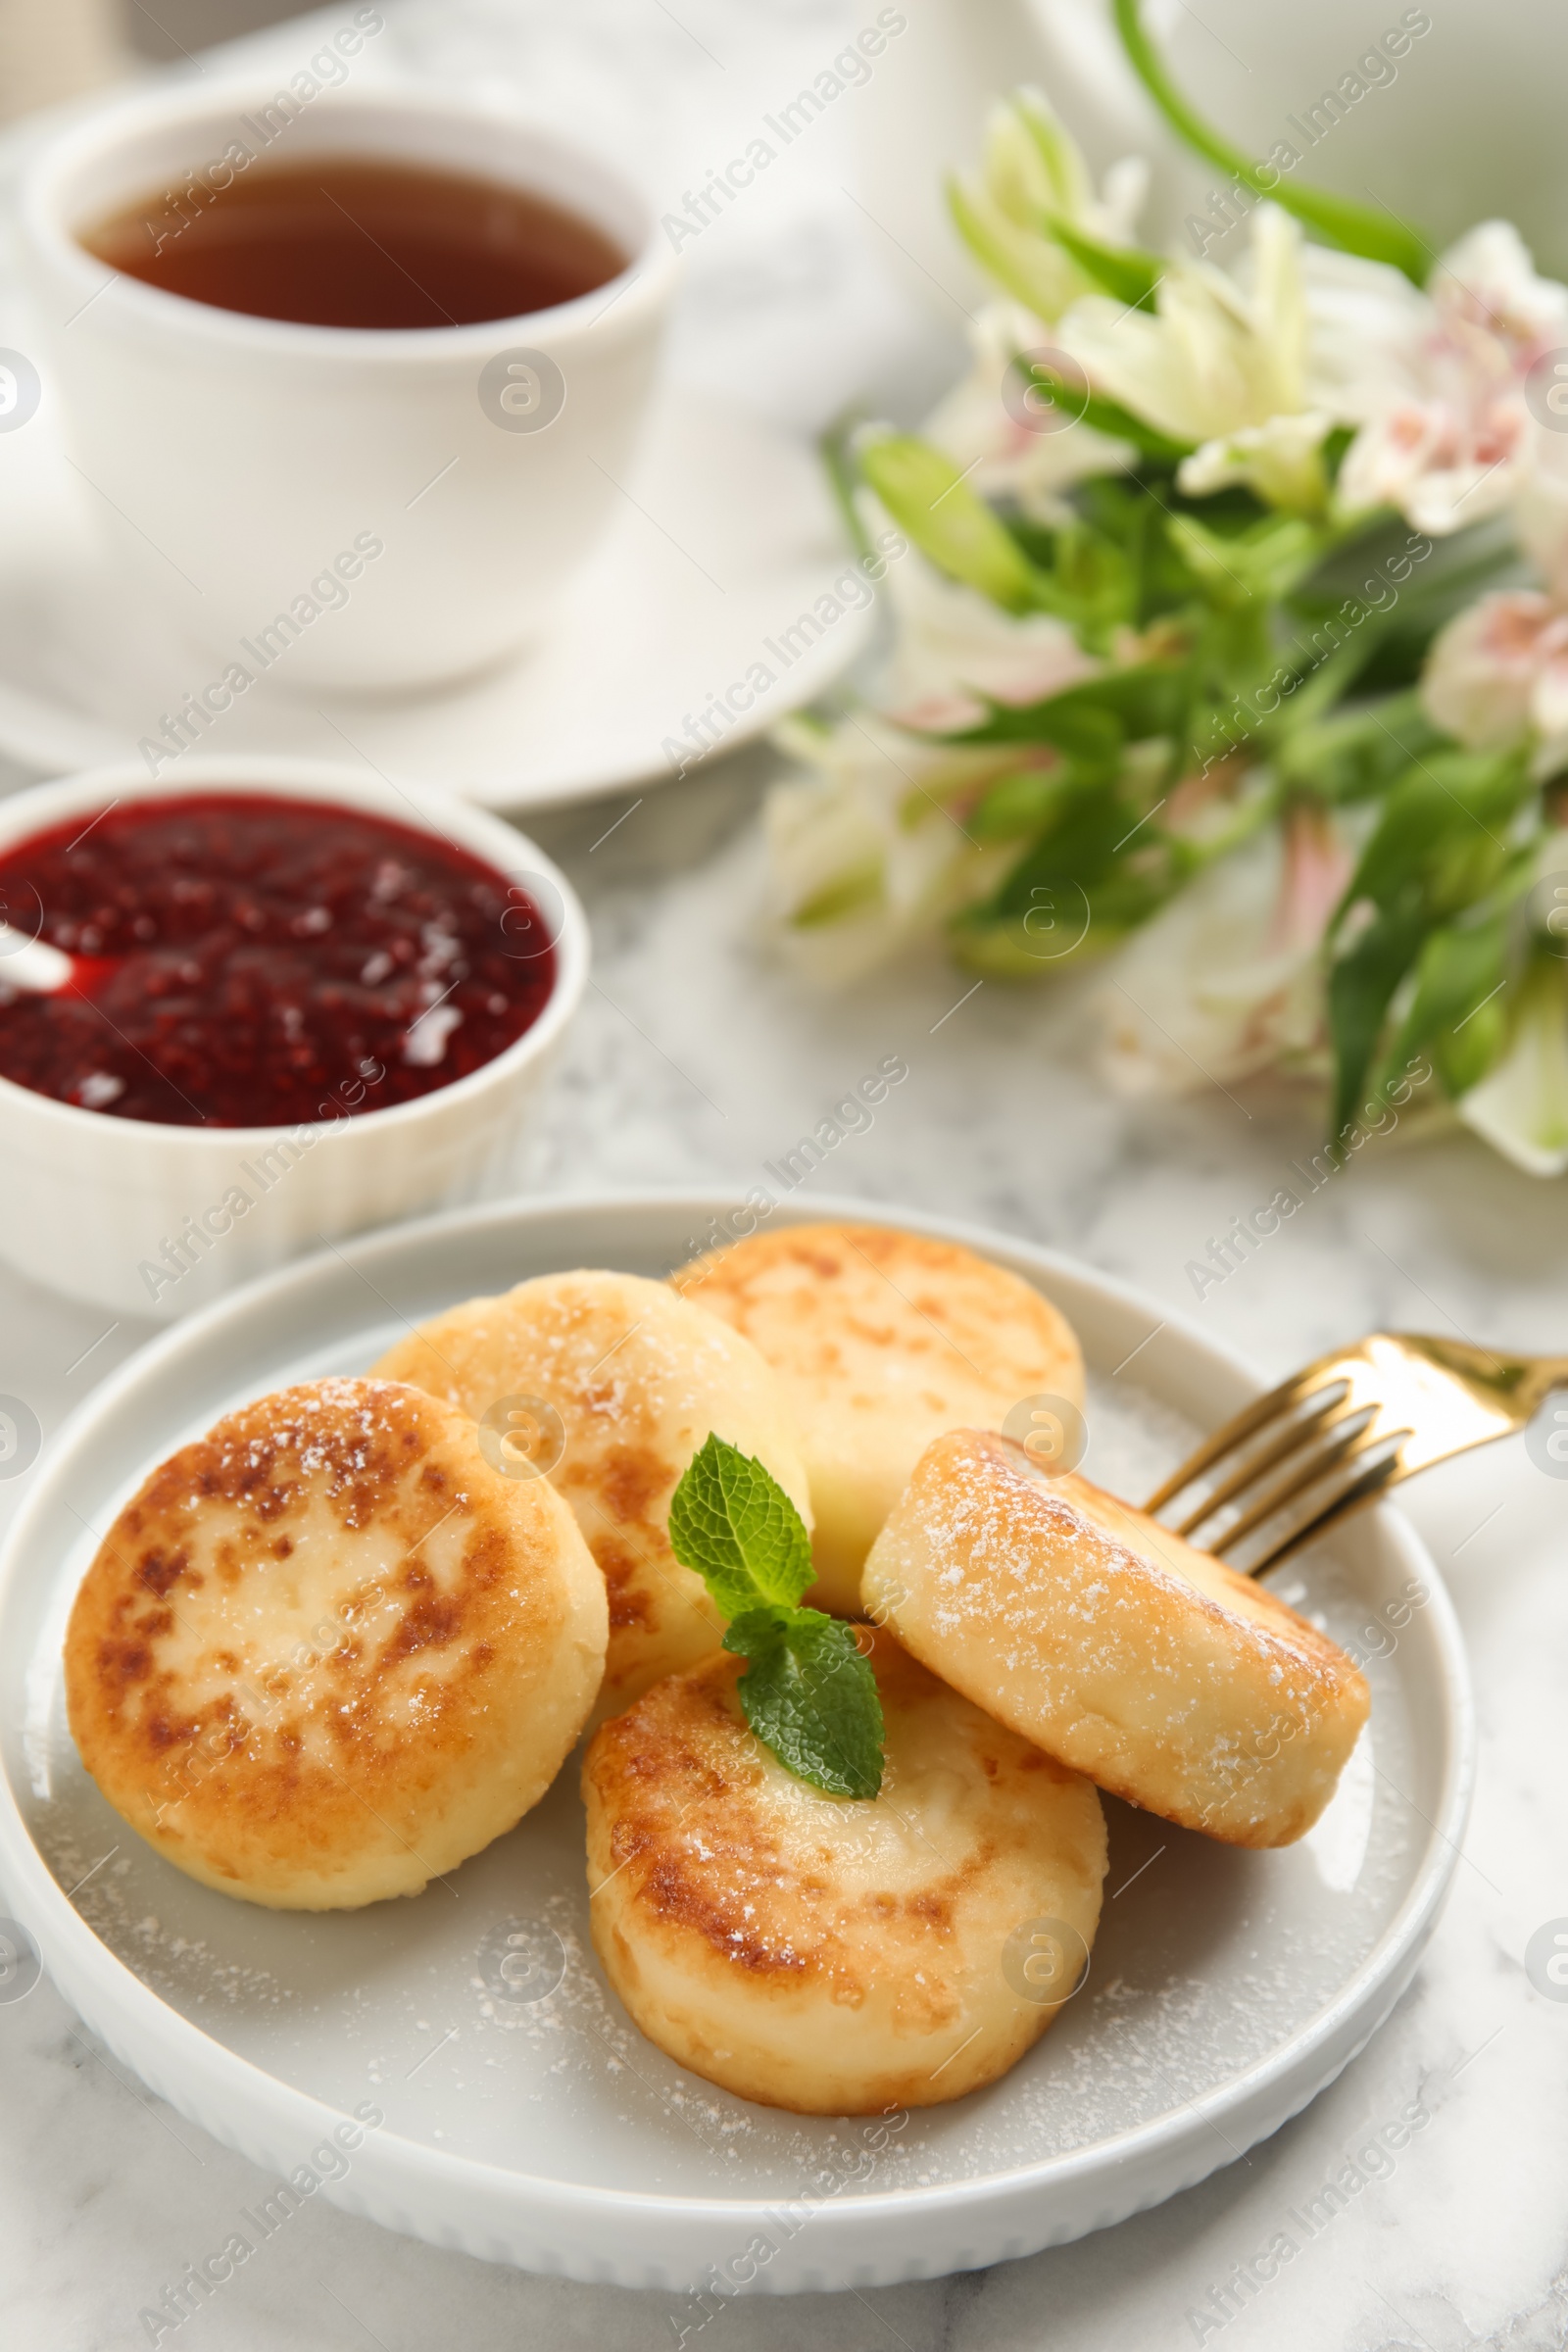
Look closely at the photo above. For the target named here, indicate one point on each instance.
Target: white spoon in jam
(33, 964)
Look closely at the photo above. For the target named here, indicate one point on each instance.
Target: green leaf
(1440, 846)
(1459, 1015)
(1261, 563)
(927, 496)
(1097, 867)
(1361, 986)
(1122, 269)
(734, 1524)
(1442, 836)
(811, 1697)
(1353, 227)
(1129, 705)
(807, 1695)
(1015, 807)
(1354, 755)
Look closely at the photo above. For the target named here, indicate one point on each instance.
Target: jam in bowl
(244, 960)
(295, 1002)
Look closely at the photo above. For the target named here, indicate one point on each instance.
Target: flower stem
(1353, 227)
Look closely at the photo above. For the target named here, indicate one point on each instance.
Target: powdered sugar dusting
(1207, 1959)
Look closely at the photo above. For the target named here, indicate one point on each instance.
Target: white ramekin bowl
(88, 1203)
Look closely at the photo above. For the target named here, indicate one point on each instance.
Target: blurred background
(1475, 130)
(51, 49)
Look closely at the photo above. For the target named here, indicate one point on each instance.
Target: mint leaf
(808, 1693)
(738, 1529)
(811, 1697)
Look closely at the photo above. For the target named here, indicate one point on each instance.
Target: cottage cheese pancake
(1115, 1645)
(630, 1380)
(883, 1340)
(833, 1955)
(328, 1651)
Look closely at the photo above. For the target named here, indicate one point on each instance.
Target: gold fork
(1338, 1436)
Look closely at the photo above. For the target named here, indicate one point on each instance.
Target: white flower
(1364, 319)
(951, 643)
(868, 855)
(1280, 460)
(1497, 675)
(1521, 1106)
(1540, 505)
(1499, 671)
(1009, 441)
(1227, 979)
(1032, 175)
(1445, 430)
(1219, 363)
(871, 852)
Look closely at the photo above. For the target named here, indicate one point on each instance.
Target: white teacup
(367, 508)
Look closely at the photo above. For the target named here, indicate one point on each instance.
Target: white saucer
(537, 2126)
(726, 535)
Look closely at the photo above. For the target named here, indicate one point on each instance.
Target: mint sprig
(738, 1529)
(808, 1693)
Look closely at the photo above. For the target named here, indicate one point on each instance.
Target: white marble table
(698, 1059)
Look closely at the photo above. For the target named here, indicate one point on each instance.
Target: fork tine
(1350, 1446)
(1328, 1410)
(1362, 1491)
(1244, 1424)
(1421, 1398)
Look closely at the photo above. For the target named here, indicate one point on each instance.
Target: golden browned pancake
(631, 1380)
(1115, 1645)
(833, 1955)
(328, 1651)
(884, 1339)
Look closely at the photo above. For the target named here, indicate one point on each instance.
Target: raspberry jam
(249, 961)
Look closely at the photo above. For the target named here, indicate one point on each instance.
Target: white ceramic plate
(1227, 1987)
(723, 541)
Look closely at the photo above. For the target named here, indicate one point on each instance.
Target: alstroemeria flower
(1499, 671)
(1226, 980)
(1223, 363)
(1541, 508)
(1032, 173)
(952, 644)
(871, 851)
(1446, 428)
(1282, 461)
(1004, 447)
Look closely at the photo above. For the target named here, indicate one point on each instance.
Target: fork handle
(1521, 1384)
(1545, 1373)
